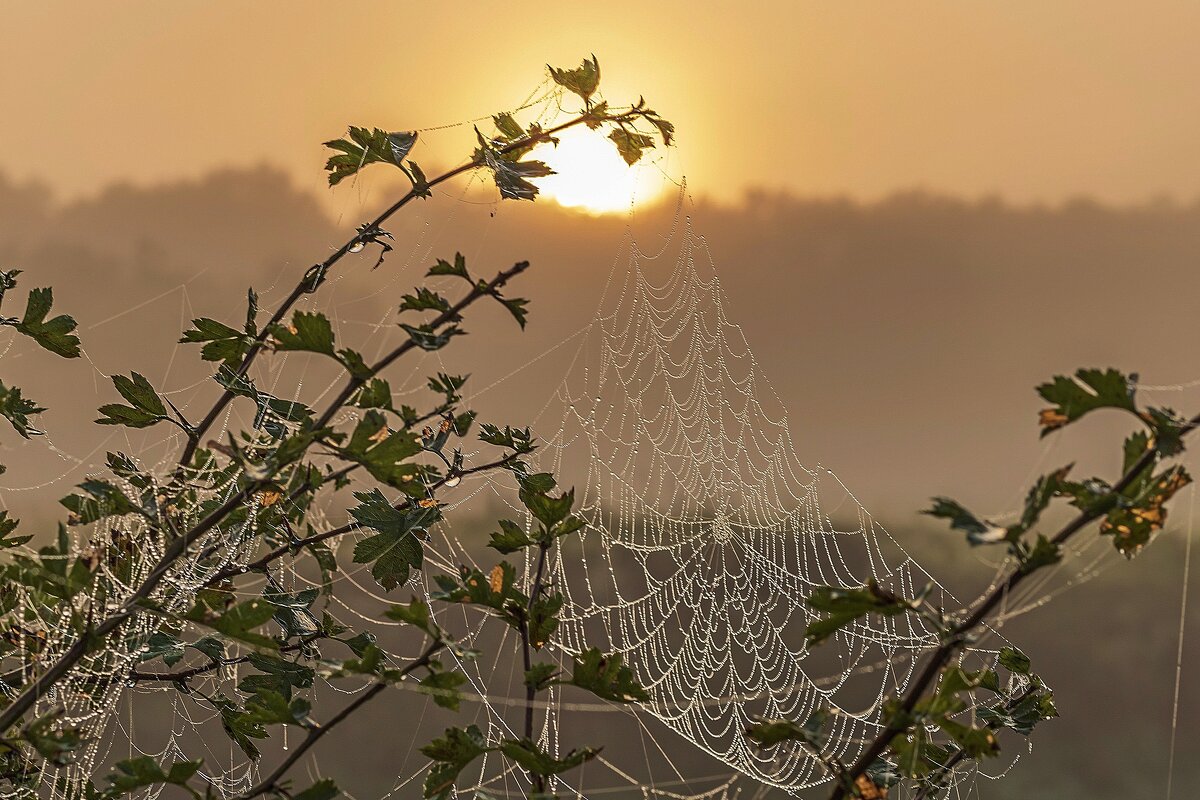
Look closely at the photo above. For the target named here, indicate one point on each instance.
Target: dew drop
(357, 247)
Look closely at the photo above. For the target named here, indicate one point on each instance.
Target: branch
(450, 315)
(182, 676)
(271, 782)
(957, 636)
(538, 780)
(297, 546)
(323, 267)
(80, 646)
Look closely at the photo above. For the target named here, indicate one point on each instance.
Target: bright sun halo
(590, 175)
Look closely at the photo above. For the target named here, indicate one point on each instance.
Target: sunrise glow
(592, 176)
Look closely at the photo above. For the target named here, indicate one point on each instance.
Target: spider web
(705, 535)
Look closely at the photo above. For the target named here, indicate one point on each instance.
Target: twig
(956, 638)
(323, 267)
(270, 782)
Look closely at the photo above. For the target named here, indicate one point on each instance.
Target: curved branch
(957, 636)
(226, 397)
(271, 782)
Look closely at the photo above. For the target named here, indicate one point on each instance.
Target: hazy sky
(1031, 99)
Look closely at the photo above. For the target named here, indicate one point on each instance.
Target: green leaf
(630, 144)
(451, 753)
(1043, 553)
(8, 280)
(912, 758)
(324, 789)
(164, 645)
(1046, 488)
(442, 686)
(367, 147)
(526, 755)
(137, 773)
(100, 500)
(770, 732)
(276, 675)
(516, 307)
(17, 410)
(541, 676)
(546, 509)
(268, 707)
(309, 332)
(606, 677)
(583, 80)
(238, 622)
(145, 409)
(55, 741)
(458, 267)
(1089, 390)
(845, 606)
(512, 177)
(1023, 715)
(1014, 660)
(7, 526)
(54, 334)
(222, 343)
(382, 451)
(251, 326)
(977, 530)
(427, 337)
(416, 613)
(1142, 511)
(395, 550)
(375, 393)
(976, 742)
(543, 618)
(521, 441)
(424, 300)
(510, 538)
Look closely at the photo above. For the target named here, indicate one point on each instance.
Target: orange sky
(1031, 99)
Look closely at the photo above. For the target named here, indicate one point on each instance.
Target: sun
(591, 176)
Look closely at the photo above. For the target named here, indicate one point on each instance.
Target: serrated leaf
(630, 144)
(770, 732)
(395, 550)
(458, 267)
(137, 773)
(424, 300)
(845, 606)
(427, 337)
(367, 146)
(442, 688)
(510, 538)
(1089, 390)
(221, 342)
(324, 789)
(583, 80)
(309, 332)
(100, 500)
(607, 677)
(54, 334)
(529, 757)
(1014, 660)
(17, 410)
(451, 753)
